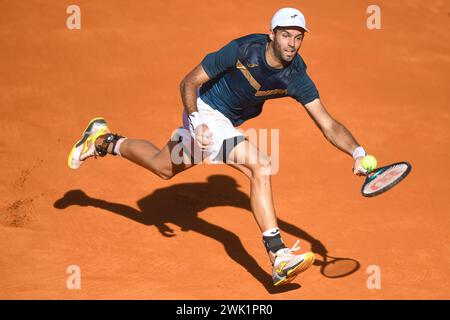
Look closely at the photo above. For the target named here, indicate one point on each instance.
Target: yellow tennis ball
(369, 163)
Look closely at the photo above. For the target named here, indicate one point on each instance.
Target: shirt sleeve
(217, 62)
(303, 89)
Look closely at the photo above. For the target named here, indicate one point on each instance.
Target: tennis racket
(382, 179)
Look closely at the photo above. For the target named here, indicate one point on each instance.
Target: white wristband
(359, 152)
(195, 120)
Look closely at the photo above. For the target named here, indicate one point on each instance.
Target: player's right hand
(203, 137)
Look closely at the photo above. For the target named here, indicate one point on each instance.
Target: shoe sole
(82, 140)
(308, 261)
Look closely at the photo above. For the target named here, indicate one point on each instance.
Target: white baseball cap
(287, 17)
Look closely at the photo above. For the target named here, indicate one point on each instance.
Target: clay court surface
(135, 236)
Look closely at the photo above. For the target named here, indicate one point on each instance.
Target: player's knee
(165, 174)
(165, 177)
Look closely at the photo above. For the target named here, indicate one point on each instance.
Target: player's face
(287, 42)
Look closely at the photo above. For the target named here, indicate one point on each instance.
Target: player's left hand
(358, 168)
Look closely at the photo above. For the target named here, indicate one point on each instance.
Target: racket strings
(386, 178)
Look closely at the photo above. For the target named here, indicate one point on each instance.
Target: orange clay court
(135, 236)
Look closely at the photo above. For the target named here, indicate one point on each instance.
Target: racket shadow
(330, 267)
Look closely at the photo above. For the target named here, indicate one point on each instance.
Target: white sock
(271, 232)
(117, 146)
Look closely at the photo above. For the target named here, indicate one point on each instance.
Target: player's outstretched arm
(335, 132)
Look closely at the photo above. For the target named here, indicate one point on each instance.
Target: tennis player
(224, 90)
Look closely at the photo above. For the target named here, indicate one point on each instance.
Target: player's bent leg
(286, 265)
(164, 163)
(97, 140)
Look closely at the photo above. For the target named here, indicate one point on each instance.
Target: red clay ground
(389, 87)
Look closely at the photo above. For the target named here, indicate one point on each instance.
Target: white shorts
(225, 135)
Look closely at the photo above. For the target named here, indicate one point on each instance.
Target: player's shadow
(180, 204)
